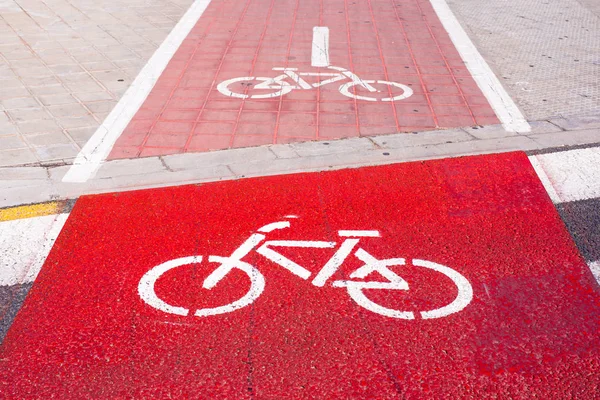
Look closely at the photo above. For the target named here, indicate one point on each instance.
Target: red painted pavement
(531, 329)
(403, 42)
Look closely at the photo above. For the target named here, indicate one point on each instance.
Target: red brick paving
(379, 40)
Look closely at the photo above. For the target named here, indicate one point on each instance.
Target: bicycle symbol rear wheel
(147, 292)
(266, 87)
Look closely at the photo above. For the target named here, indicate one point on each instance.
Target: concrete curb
(39, 183)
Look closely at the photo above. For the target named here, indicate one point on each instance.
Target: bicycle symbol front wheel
(406, 91)
(465, 294)
(147, 292)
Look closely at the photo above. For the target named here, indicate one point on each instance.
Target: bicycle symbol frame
(279, 85)
(355, 286)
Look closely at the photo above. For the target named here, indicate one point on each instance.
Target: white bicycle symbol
(354, 287)
(279, 85)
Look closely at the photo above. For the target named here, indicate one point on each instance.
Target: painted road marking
(105, 300)
(507, 111)
(320, 47)
(32, 210)
(98, 147)
(277, 87)
(24, 246)
(27, 234)
(570, 175)
(355, 289)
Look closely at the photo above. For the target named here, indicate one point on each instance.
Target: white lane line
(595, 268)
(506, 110)
(24, 246)
(544, 179)
(572, 175)
(320, 47)
(96, 150)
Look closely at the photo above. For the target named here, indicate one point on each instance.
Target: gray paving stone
(487, 146)
(93, 96)
(309, 149)
(67, 110)
(23, 173)
(57, 152)
(47, 139)
(335, 161)
(81, 134)
(28, 114)
(57, 99)
(7, 128)
(542, 127)
(57, 89)
(7, 93)
(283, 151)
(489, 132)
(39, 126)
(11, 142)
(101, 106)
(140, 166)
(17, 157)
(567, 138)
(19, 103)
(159, 179)
(30, 194)
(401, 140)
(180, 162)
(584, 122)
(78, 122)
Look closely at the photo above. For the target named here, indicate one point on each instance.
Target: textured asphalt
(583, 221)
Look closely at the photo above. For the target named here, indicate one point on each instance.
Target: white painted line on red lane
(571, 175)
(96, 150)
(506, 110)
(320, 47)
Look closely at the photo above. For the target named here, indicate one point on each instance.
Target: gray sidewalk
(65, 64)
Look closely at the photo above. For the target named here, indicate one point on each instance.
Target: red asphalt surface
(402, 42)
(531, 329)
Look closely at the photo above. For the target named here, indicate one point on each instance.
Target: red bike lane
(120, 310)
(388, 49)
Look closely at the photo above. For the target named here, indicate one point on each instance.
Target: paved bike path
(530, 326)
(401, 42)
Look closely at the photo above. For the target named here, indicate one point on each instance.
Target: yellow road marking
(32, 210)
